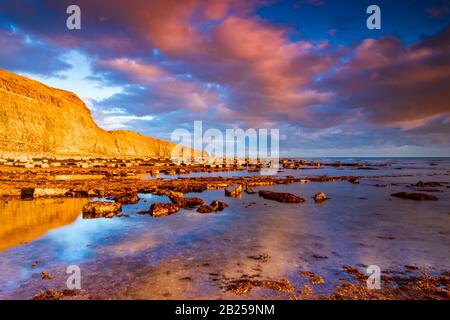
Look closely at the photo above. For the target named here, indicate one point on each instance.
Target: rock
(205, 209)
(354, 180)
(101, 209)
(169, 193)
(312, 277)
(281, 196)
(48, 295)
(49, 192)
(154, 173)
(192, 202)
(234, 190)
(163, 209)
(432, 184)
(46, 276)
(249, 190)
(215, 206)
(244, 286)
(30, 193)
(415, 196)
(127, 198)
(261, 257)
(218, 205)
(27, 193)
(306, 290)
(320, 197)
(183, 202)
(179, 201)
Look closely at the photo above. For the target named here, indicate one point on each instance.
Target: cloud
(392, 83)
(218, 61)
(21, 52)
(158, 89)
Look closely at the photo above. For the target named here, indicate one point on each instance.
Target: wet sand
(254, 249)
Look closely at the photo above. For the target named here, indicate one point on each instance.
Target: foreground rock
(281, 196)
(409, 284)
(163, 209)
(54, 295)
(234, 191)
(415, 196)
(101, 209)
(215, 206)
(244, 286)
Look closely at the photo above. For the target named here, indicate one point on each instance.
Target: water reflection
(24, 221)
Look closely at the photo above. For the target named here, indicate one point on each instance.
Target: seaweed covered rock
(418, 196)
(281, 196)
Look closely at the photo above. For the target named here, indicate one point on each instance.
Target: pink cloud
(393, 83)
(168, 91)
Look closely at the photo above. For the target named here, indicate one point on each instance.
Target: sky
(310, 68)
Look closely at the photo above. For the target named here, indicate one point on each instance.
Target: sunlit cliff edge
(38, 120)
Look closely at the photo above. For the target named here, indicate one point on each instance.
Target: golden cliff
(42, 121)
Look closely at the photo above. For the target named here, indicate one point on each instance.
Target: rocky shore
(108, 186)
(122, 179)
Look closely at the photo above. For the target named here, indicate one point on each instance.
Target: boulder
(215, 206)
(281, 196)
(101, 209)
(415, 196)
(163, 209)
(183, 202)
(234, 190)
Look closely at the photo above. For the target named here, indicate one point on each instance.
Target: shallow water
(189, 255)
(408, 166)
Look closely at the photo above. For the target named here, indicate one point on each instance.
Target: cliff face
(40, 120)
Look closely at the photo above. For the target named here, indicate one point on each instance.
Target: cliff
(39, 120)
